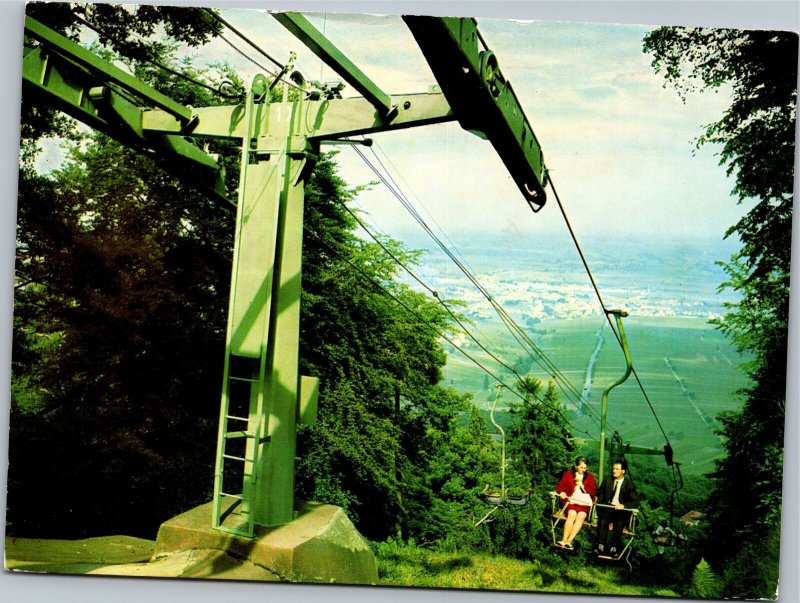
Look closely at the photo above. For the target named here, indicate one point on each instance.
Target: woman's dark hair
(578, 461)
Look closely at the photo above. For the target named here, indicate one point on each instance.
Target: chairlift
(616, 449)
(500, 497)
(665, 537)
(557, 516)
(628, 535)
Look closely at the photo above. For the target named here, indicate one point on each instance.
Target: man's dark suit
(620, 518)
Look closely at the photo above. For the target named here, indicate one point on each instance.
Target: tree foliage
(756, 136)
(755, 133)
(374, 344)
(119, 324)
(539, 438)
(537, 452)
(120, 273)
(126, 30)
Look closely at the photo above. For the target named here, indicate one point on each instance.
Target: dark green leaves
(756, 135)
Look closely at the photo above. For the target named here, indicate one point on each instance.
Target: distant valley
(689, 369)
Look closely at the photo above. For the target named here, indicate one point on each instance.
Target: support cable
(386, 292)
(217, 17)
(248, 57)
(98, 30)
(419, 219)
(538, 355)
(516, 331)
(602, 304)
(435, 294)
(278, 76)
(375, 145)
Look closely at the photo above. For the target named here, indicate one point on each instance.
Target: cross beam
(112, 101)
(482, 98)
(321, 120)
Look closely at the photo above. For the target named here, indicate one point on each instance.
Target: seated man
(619, 493)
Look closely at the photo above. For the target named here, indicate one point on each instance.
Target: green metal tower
(263, 396)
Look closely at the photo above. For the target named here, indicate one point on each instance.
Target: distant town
(538, 282)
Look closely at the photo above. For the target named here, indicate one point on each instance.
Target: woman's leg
(568, 523)
(576, 527)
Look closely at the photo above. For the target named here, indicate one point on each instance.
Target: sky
(618, 144)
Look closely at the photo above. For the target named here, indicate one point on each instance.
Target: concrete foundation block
(320, 545)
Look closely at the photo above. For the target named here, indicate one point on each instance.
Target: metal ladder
(239, 445)
(242, 420)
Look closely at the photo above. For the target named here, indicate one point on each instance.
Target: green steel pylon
(242, 421)
(263, 397)
(261, 391)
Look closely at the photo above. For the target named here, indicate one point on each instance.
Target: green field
(689, 370)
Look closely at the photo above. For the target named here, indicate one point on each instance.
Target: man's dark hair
(623, 464)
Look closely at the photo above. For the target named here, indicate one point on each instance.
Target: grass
(412, 566)
(399, 565)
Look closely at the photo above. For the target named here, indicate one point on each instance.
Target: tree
(756, 134)
(123, 271)
(374, 345)
(118, 325)
(465, 461)
(116, 271)
(124, 29)
(537, 451)
(539, 439)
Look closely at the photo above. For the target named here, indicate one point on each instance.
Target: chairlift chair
(557, 516)
(665, 537)
(628, 534)
(500, 498)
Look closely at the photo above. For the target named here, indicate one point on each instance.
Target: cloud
(598, 93)
(618, 142)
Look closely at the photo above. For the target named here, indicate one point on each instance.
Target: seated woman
(577, 489)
